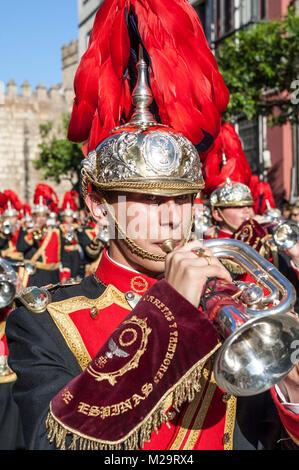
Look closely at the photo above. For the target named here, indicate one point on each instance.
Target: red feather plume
(26, 209)
(3, 200)
(13, 198)
(48, 195)
(70, 200)
(235, 167)
(187, 87)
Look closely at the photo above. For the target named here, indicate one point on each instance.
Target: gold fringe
(136, 441)
(183, 391)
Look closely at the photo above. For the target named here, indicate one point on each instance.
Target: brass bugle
(257, 350)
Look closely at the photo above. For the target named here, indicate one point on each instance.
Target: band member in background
(27, 220)
(124, 359)
(93, 238)
(72, 256)
(294, 213)
(240, 208)
(41, 245)
(11, 228)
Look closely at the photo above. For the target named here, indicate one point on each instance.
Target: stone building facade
(21, 113)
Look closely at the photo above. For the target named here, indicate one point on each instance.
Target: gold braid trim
(143, 185)
(184, 390)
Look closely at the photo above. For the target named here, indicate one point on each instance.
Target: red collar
(121, 277)
(223, 234)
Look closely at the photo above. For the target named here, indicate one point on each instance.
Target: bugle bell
(258, 347)
(7, 228)
(258, 351)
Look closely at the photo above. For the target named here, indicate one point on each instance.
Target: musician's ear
(96, 207)
(216, 215)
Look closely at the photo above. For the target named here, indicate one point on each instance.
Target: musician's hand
(19, 286)
(188, 273)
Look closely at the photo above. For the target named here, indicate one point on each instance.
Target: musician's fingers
(182, 262)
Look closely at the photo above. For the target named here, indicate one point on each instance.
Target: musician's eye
(182, 198)
(151, 198)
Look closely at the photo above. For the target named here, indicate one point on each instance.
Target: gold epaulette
(36, 299)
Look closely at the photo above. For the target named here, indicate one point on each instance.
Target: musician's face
(68, 219)
(13, 220)
(234, 215)
(294, 215)
(148, 220)
(40, 220)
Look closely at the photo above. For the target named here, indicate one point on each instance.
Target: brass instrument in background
(257, 353)
(286, 234)
(8, 279)
(257, 350)
(7, 228)
(37, 235)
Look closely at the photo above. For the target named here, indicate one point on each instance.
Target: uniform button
(226, 438)
(94, 312)
(129, 296)
(226, 397)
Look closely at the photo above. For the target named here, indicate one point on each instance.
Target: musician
(240, 207)
(11, 228)
(40, 245)
(108, 372)
(72, 255)
(294, 213)
(93, 238)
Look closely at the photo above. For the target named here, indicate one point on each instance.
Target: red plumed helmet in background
(70, 201)
(13, 205)
(45, 195)
(26, 209)
(3, 201)
(226, 160)
(188, 90)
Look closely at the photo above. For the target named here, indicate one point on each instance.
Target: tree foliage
(260, 66)
(59, 159)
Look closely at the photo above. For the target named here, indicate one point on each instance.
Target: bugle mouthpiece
(168, 246)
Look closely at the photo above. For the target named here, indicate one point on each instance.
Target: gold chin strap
(133, 247)
(231, 226)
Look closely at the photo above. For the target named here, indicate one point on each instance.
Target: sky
(32, 33)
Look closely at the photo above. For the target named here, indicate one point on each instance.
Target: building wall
(274, 155)
(87, 10)
(280, 138)
(21, 113)
(70, 62)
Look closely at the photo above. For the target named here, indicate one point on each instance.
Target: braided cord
(133, 247)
